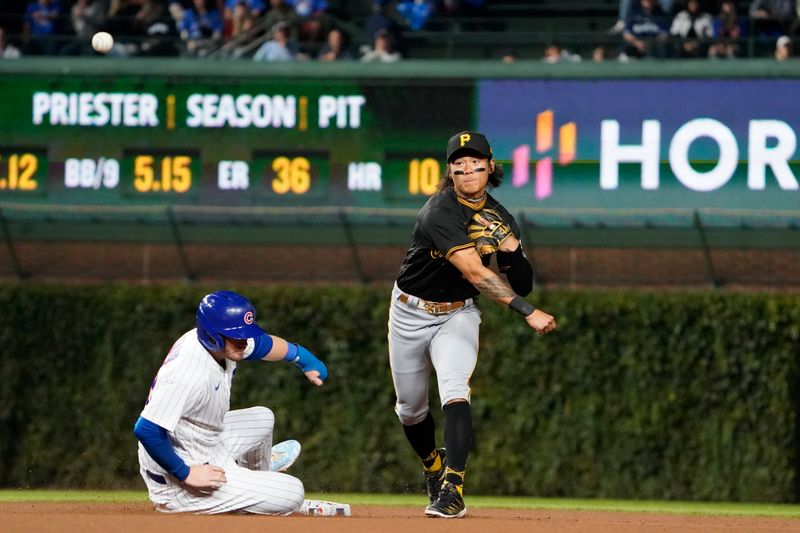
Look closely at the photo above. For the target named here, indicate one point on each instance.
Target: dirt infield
(123, 518)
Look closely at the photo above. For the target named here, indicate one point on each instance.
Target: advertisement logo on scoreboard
(771, 145)
(198, 110)
(521, 156)
(688, 140)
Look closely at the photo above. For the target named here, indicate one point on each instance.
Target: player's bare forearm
(490, 284)
(279, 349)
(493, 286)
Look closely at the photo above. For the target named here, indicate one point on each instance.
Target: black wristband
(521, 306)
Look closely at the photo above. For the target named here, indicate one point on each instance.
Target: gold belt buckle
(441, 308)
(434, 308)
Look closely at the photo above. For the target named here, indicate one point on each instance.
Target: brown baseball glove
(488, 231)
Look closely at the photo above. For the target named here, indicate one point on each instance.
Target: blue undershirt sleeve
(262, 346)
(156, 442)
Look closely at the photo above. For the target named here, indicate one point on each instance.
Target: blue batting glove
(305, 360)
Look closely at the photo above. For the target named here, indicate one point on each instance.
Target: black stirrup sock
(457, 439)
(422, 437)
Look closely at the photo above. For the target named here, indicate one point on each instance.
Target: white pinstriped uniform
(190, 398)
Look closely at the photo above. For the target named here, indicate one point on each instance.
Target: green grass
(99, 496)
(500, 502)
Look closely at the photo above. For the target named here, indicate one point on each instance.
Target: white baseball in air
(102, 42)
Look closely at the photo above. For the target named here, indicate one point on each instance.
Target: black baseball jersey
(440, 230)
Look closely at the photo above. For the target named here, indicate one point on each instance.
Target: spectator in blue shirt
(645, 31)
(728, 29)
(201, 27)
(626, 9)
(40, 25)
(415, 12)
(40, 17)
(278, 48)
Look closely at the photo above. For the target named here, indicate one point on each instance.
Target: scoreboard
(136, 139)
(246, 137)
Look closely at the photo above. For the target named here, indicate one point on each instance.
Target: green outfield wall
(680, 395)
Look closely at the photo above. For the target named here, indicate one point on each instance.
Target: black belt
(158, 478)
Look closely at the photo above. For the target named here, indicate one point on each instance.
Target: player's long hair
(495, 178)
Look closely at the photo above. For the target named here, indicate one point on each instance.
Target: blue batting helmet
(225, 314)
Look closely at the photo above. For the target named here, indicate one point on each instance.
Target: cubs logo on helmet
(225, 314)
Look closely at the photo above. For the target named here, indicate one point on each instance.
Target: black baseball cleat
(435, 479)
(449, 505)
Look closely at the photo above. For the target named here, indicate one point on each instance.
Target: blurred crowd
(713, 29)
(698, 28)
(371, 30)
(266, 30)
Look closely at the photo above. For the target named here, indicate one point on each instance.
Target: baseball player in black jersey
(434, 320)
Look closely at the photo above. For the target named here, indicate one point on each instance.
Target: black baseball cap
(468, 141)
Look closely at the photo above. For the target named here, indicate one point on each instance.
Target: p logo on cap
(466, 142)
